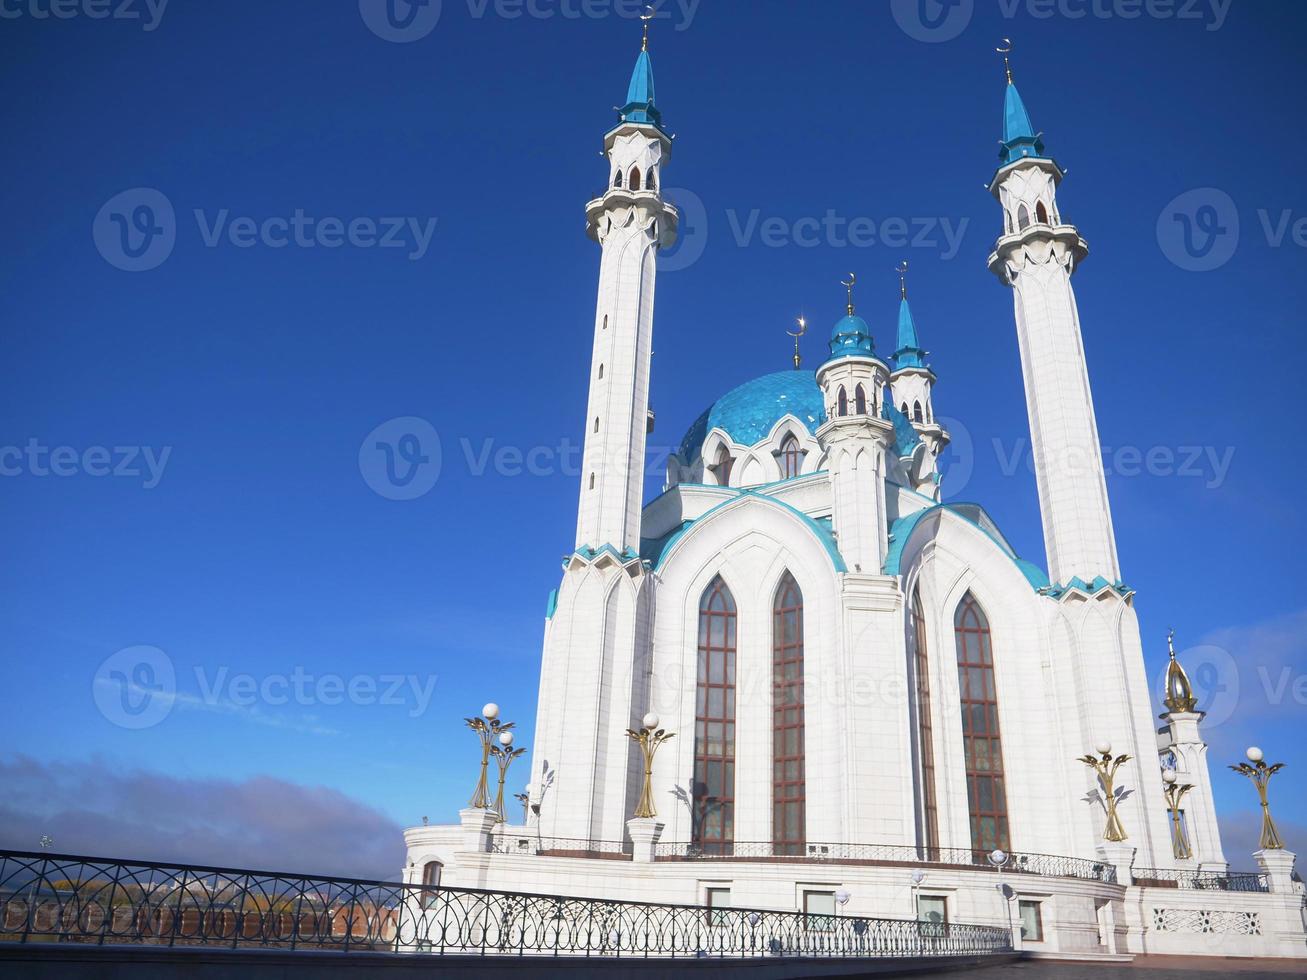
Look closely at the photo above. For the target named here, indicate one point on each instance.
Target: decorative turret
(1019, 136)
(911, 387)
(1179, 692)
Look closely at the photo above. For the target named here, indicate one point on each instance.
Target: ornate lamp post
(504, 754)
(1174, 791)
(1106, 768)
(648, 738)
(487, 729)
(1260, 773)
(524, 798)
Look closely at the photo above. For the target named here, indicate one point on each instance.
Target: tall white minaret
(1036, 256)
(630, 221)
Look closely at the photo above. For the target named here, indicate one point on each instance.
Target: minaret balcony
(622, 197)
(1039, 237)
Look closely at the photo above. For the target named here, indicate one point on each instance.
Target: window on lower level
(932, 915)
(717, 899)
(1032, 921)
(819, 910)
(430, 881)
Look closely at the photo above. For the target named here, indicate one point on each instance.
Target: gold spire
(1179, 692)
(902, 270)
(853, 281)
(647, 16)
(803, 328)
(1005, 49)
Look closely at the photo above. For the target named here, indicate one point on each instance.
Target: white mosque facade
(873, 696)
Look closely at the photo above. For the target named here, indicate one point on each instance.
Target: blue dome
(851, 336)
(748, 413)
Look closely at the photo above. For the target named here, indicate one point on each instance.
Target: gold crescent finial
(802, 323)
(852, 281)
(1170, 641)
(1005, 49)
(902, 270)
(647, 16)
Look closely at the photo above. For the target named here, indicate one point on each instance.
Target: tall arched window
(789, 788)
(859, 400)
(617, 179)
(649, 180)
(635, 179)
(904, 409)
(713, 817)
(722, 468)
(430, 882)
(1041, 213)
(925, 729)
(791, 457)
(842, 401)
(982, 744)
(916, 412)
(1023, 217)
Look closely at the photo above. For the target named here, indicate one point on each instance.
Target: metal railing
(1224, 881)
(1047, 865)
(63, 899)
(529, 843)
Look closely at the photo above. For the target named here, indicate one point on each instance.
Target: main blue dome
(747, 413)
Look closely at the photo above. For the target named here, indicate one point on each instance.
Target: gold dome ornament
(1179, 692)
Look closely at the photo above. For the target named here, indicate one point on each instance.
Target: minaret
(1036, 256)
(631, 222)
(1190, 752)
(913, 381)
(856, 439)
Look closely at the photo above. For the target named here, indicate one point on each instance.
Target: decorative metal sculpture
(525, 799)
(1106, 767)
(648, 738)
(1260, 773)
(803, 328)
(488, 729)
(1174, 791)
(902, 270)
(1005, 49)
(849, 284)
(504, 754)
(1179, 692)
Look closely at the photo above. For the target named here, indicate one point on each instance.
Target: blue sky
(441, 272)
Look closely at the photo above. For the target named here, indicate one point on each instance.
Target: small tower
(1036, 256)
(856, 439)
(1187, 747)
(913, 382)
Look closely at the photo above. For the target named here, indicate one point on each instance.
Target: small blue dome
(747, 413)
(851, 335)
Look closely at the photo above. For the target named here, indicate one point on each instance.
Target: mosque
(873, 697)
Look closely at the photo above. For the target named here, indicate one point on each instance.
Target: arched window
(791, 457)
(789, 788)
(713, 816)
(430, 882)
(649, 181)
(1023, 218)
(903, 409)
(1041, 213)
(617, 179)
(605, 321)
(722, 468)
(1007, 222)
(601, 371)
(925, 731)
(859, 401)
(842, 402)
(596, 423)
(635, 179)
(982, 744)
(916, 412)
(592, 481)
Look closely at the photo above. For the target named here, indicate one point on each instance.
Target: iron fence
(1224, 881)
(64, 899)
(1048, 865)
(529, 843)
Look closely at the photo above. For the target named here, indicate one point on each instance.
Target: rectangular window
(789, 789)
(717, 899)
(1032, 921)
(932, 915)
(819, 910)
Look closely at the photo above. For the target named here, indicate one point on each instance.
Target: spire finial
(852, 281)
(647, 16)
(1179, 692)
(802, 324)
(1005, 49)
(902, 270)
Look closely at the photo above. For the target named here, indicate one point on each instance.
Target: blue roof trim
(748, 413)
(905, 436)
(901, 530)
(1094, 587)
(590, 554)
(655, 550)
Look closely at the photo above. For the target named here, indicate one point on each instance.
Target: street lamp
(504, 754)
(1106, 767)
(488, 729)
(524, 798)
(1174, 791)
(1260, 773)
(999, 858)
(648, 738)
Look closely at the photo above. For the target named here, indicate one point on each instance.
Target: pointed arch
(925, 727)
(1023, 217)
(601, 372)
(916, 412)
(1041, 213)
(650, 181)
(981, 739)
(617, 179)
(713, 814)
(634, 182)
(791, 457)
(789, 785)
(860, 400)
(842, 402)
(722, 467)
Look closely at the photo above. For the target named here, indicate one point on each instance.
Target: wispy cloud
(307, 724)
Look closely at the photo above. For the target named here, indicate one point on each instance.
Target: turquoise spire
(909, 354)
(640, 106)
(1019, 136)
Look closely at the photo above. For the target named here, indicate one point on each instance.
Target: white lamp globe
(998, 856)
(1103, 747)
(528, 789)
(918, 877)
(842, 896)
(491, 711)
(650, 720)
(505, 739)
(1255, 754)
(1169, 776)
